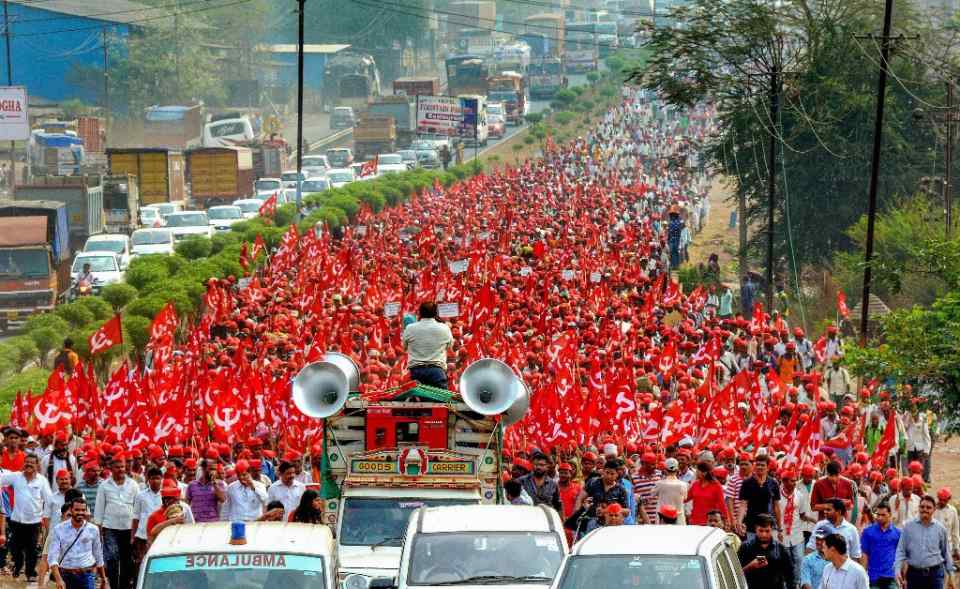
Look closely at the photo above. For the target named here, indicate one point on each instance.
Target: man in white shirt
(114, 514)
(427, 342)
(918, 438)
(841, 571)
(76, 551)
(795, 509)
(31, 492)
(148, 501)
(51, 511)
(946, 514)
(905, 505)
(245, 496)
(287, 489)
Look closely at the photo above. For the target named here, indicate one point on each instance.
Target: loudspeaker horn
(519, 408)
(348, 366)
(320, 389)
(489, 386)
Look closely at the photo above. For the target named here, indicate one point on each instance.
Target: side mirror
(382, 583)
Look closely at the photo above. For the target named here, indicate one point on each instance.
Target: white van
(228, 132)
(483, 133)
(277, 555)
(648, 557)
(469, 546)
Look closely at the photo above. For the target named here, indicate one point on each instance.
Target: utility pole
(106, 86)
(300, 145)
(772, 176)
(13, 146)
(875, 169)
(176, 42)
(949, 117)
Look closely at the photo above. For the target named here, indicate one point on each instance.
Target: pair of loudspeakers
(488, 386)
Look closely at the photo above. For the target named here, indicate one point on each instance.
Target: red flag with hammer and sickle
(109, 335)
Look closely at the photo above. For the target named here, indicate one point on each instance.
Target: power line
(130, 22)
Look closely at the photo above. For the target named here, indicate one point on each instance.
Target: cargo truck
(55, 154)
(403, 111)
(416, 87)
(160, 172)
(173, 127)
(121, 203)
(374, 134)
(545, 77)
(510, 89)
(82, 195)
(219, 175)
(34, 259)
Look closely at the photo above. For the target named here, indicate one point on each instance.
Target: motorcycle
(82, 288)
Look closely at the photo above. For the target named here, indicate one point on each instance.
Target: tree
(118, 294)
(46, 339)
(725, 52)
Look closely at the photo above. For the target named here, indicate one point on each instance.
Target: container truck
(160, 173)
(82, 195)
(416, 87)
(35, 259)
(219, 175)
(374, 134)
(510, 89)
(545, 77)
(60, 154)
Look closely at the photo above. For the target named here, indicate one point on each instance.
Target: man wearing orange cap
(644, 484)
(245, 496)
(919, 442)
(207, 493)
(51, 516)
(614, 515)
(946, 514)
(172, 511)
(905, 505)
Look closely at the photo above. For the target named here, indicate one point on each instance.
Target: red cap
(808, 470)
(915, 467)
(720, 472)
(242, 466)
(190, 463)
(590, 456)
(944, 494)
(62, 474)
(211, 454)
(614, 508)
(565, 466)
(917, 481)
(649, 458)
(91, 466)
(169, 489)
(890, 473)
(668, 511)
(254, 442)
(176, 452)
(905, 483)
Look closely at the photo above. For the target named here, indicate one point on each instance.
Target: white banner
(391, 309)
(448, 310)
(14, 121)
(459, 266)
(439, 115)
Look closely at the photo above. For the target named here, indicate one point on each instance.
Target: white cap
(610, 450)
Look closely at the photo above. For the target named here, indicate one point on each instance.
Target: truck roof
(10, 208)
(272, 537)
(17, 231)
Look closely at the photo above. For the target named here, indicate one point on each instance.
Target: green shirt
(871, 438)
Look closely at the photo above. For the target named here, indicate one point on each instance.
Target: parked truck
(417, 87)
(374, 134)
(82, 195)
(403, 111)
(173, 127)
(545, 77)
(510, 89)
(121, 203)
(160, 173)
(219, 175)
(35, 259)
(55, 153)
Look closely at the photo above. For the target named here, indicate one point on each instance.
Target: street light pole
(300, 145)
(6, 34)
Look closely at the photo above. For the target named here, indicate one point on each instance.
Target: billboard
(468, 124)
(439, 115)
(14, 122)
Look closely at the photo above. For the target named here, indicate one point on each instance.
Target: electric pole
(949, 116)
(772, 176)
(13, 145)
(106, 86)
(875, 169)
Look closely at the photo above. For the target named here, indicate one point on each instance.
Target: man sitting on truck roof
(426, 343)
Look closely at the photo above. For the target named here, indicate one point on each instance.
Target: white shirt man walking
(841, 572)
(76, 551)
(31, 492)
(114, 514)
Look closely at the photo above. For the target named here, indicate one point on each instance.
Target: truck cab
(394, 457)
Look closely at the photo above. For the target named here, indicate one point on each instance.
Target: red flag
(258, 246)
(109, 335)
(842, 305)
(369, 168)
(269, 206)
(886, 444)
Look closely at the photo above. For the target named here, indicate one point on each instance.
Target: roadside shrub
(533, 117)
(118, 295)
(564, 118)
(194, 248)
(75, 314)
(100, 308)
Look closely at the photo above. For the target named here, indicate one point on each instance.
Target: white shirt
(114, 509)
(903, 510)
(948, 517)
(29, 497)
(850, 575)
(800, 507)
(918, 432)
(146, 503)
(245, 504)
(85, 553)
(289, 496)
(427, 342)
(51, 510)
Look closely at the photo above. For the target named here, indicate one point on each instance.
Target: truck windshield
(97, 263)
(503, 96)
(647, 572)
(460, 558)
(187, 220)
(263, 185)
(228, 128)
(25, 263)
(375, 521)
(229, 570)
(103, 245)
(151, 237)
(224, 213)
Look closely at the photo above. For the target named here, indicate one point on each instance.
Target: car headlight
(355, 581)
